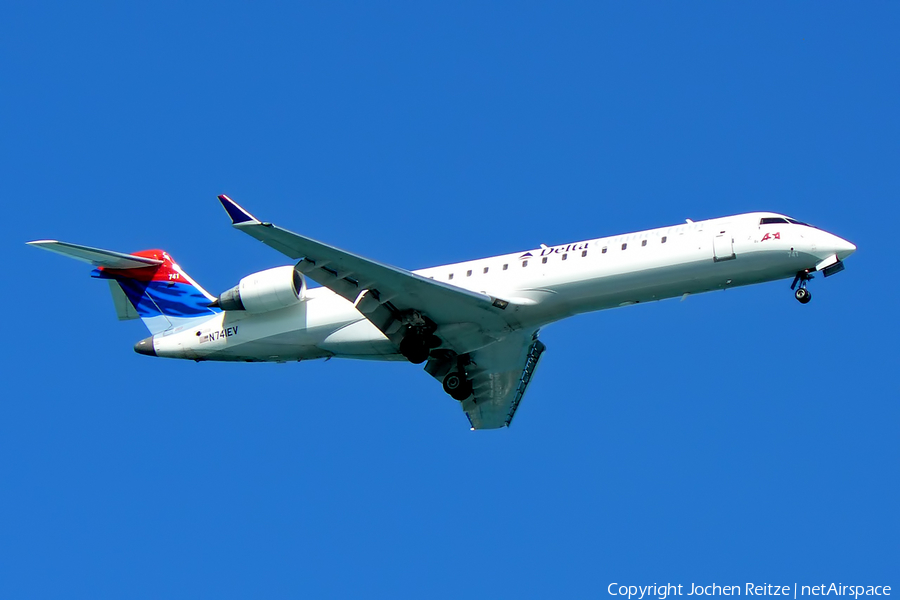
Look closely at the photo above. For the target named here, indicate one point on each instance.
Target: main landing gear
(419, 339)
(456, 384)
(453, 368)
(420, 344)
(802, 294)
(415, 347)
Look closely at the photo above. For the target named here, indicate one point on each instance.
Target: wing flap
(500, 376)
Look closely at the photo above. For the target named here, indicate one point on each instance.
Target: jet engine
(265, 291)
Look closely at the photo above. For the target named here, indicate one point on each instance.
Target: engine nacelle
(265, 291)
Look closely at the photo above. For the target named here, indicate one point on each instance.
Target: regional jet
(473, 324)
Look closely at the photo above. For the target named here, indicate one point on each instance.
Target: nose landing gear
(802, 294)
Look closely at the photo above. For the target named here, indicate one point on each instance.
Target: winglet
(238, 215)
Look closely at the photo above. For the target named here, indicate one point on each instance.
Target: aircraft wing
(499, 374)
(385, 294)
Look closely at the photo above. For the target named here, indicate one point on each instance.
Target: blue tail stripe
(152, 298)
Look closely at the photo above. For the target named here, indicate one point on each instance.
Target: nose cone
(145, 346)
(843, 248)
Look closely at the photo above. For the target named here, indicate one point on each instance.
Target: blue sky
(735, 437)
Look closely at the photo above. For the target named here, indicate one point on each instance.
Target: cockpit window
(774, 220)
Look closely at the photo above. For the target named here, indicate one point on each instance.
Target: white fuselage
(541, 286)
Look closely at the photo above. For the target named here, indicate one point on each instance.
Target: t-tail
(148, 285)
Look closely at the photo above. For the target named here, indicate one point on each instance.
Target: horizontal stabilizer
(96, 256)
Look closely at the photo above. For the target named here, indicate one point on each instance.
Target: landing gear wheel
(419, 356)
(802, 295)
(456, 385)
(414, 350)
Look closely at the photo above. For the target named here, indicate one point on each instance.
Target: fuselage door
(723, 246)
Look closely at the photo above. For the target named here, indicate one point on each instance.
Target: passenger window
(485, 269)
(451, 276)
(624, 246)
(663, 239)
(505, 267)
(564, 256)
(469, 273)
(583, 253)
(644, 243)
(604, 250)
(524, 263)
(544, 260)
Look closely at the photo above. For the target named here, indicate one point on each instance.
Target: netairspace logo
(663, 591)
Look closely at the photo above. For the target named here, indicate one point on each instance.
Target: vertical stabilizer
(163, 295)
(148, 285)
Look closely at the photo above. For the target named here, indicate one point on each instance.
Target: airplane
(474, 324)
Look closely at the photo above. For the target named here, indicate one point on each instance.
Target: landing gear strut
(802, 294)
